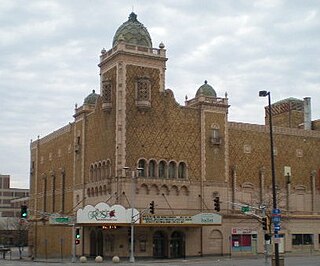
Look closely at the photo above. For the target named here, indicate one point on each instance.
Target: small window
(91, 175)
(107, 95)
(99, 171)
(182, 170)
(302, 239)
(216, 133)
(152, 169)
(215, 136)
(172, 170)
(142, 165)
(108, 169)
(107, 91)
(143, 93)
(162, 169)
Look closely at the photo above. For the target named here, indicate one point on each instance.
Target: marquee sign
(199, 219)
(102, 213)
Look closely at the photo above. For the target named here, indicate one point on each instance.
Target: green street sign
(60, 220)
(245, 209)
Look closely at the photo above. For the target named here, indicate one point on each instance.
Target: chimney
(307, 113)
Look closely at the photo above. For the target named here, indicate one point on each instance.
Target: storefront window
(241, 242)
(302, 239)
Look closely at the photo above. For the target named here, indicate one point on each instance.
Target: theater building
(132, 144)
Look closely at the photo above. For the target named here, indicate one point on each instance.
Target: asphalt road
(289, 260)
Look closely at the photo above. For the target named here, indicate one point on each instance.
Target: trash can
(281, 261)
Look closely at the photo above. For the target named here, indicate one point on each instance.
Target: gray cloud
(50, 51)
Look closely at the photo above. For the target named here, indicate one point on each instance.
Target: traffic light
(217, 204)
(77, 233)
(267, 237)
(151, 208)
(264, 223)
(24, 211)
(77, 236)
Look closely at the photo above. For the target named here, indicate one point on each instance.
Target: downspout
(202, 168)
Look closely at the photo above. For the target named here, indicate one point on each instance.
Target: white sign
(243, 231)
(287, 171)
(102, 213)
(201, 218)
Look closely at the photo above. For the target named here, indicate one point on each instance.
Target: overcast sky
(49, 51)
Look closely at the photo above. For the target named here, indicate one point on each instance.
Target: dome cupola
(206, 90)
(91, 98)
(132, 32)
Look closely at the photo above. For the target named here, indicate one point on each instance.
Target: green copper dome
(91, 98)
(133, 32)
(206, 90)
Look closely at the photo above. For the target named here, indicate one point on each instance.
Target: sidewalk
(15, 256)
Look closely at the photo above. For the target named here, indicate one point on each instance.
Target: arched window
(108, 169)
(104, 170)
(162, 169)
(152, 169)
(88, 192)
(142, 164)
(95, 173)
(99, 171)
(182, 170)
(91, 173)
(172, 169)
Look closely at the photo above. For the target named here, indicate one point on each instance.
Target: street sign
(245, 209)
(60, 220)
(276, 211)
(276, 219)
(277, 239)
(277, 227)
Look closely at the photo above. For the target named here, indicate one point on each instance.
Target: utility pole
(263, 211)
(73, 243)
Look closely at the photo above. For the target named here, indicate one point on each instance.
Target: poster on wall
(102, 213)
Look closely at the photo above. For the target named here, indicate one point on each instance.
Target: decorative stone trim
(276, 130)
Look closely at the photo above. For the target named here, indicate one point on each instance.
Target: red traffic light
(77, 241)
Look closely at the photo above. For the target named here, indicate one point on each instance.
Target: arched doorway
(177, 245)
(215, 243)
(96, 243)
(93, 242)
(159, 245)
(100, 243)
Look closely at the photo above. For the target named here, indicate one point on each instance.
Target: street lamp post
(274, 195)
(132, 205)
